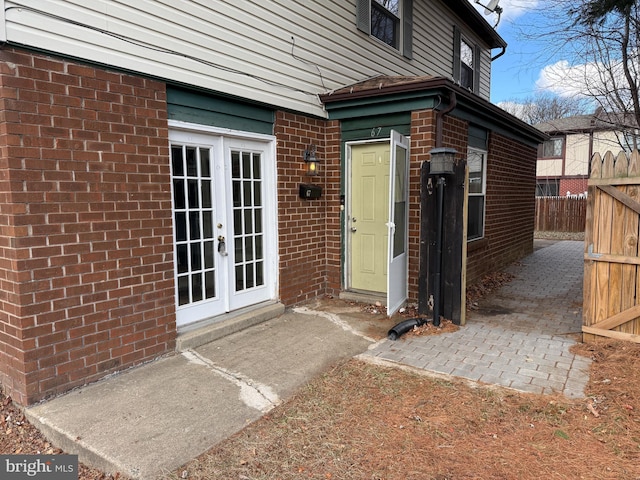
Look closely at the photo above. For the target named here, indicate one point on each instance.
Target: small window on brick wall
(547, 188)
(477, 163)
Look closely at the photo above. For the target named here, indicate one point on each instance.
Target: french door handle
(222, 246)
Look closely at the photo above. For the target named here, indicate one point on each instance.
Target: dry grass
(361, 421)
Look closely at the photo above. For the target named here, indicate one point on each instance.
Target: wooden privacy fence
(560, 214)
(612, 260)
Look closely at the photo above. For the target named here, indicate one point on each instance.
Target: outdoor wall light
(311, 161)
(442, 160)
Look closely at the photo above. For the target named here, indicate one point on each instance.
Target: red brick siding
(423, 134)
(510, 208)
(86, 248)
(576, 185)
(302, 224)
(332, 196)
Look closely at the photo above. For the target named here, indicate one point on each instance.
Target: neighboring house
(564, 159)
(153, 152)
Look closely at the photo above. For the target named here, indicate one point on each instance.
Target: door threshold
(372, 298)
(206, 331)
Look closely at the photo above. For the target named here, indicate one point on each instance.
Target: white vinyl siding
(549, 168)
(607, 140)
(577, 156)
(244, 48)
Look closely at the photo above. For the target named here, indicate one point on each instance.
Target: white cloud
(563, 79)
(585, 79)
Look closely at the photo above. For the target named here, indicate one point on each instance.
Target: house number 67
(376, 131)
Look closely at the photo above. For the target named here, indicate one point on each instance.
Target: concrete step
(205, 332)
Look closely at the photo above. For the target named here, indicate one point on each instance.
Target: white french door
(223, 224)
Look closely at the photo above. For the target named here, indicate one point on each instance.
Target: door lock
(222, 246)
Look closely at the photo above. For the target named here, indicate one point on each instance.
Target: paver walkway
(519, 336)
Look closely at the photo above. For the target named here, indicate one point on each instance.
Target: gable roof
(384, 83)
(599, 120)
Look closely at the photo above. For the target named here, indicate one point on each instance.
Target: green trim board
(375, 127)
(197, 107)
(485, 120)
(366, 107)
(478, 137)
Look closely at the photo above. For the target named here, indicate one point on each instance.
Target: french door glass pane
(177, 161)
(193, 195)
(178, 188)
(247, 218)
(192, 162)
(183, 290)
(182, 258)
(180, 226)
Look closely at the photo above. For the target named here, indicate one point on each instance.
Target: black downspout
(438, 266)
(441, 184)
(453, 101)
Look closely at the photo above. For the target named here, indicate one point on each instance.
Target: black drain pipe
(438, 266)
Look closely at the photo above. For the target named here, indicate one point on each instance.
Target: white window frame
(482, 193)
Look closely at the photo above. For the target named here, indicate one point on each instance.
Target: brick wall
(423, 134)
(334, 211)
(510, 207)
(575, 185)
(303, 224)
(85, 212)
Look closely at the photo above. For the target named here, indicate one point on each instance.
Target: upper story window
(390, 21)
(385, 21)
(553, 147)
(466, 62)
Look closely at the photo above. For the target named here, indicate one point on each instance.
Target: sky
(514, 75)
(527, 66)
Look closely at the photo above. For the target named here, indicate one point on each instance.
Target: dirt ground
(366, 422)
(360, 421)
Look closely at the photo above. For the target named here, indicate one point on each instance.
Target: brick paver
(517, 337)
